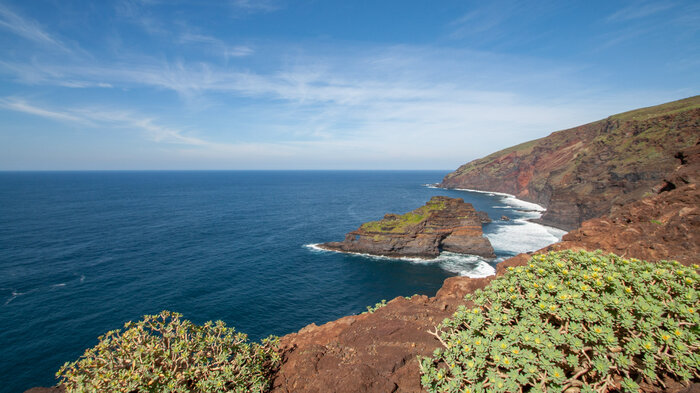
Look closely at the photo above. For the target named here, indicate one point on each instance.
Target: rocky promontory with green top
(443, 224)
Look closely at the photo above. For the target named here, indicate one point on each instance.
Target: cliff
(443, 224)
(377, 352)
(587, 171)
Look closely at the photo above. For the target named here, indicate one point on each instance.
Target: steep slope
(586, 171)
(377, 352)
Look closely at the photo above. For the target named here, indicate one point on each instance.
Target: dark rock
(443, 224)
(53, 389)
(484, 217)
(505, 218)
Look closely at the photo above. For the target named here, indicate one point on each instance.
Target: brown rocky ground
(378, 352)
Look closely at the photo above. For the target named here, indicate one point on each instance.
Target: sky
(311, 84)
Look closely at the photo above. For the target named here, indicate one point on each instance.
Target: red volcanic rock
(587, 171)
(443, 224)
(377, 352)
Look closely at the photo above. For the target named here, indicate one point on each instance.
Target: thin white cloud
(96, 117)
(218, 45)
(638, 11)
(27, 28)
(19, 105)
(256, 5)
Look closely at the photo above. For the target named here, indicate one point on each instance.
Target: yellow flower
(677, 333)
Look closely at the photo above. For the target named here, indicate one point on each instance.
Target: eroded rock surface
(443, 224)
(587, 171)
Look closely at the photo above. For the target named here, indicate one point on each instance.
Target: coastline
(451, 262)
(474, 266)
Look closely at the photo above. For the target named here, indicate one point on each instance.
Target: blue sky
(276, 84)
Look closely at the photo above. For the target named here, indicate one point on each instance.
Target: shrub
(372, 309)
(579, 320)
(163, 353)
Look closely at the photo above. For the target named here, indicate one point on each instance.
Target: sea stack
(443, 224)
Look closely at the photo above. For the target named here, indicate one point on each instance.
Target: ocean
(81, 253)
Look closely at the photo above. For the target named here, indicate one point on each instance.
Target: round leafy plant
(164, 353)
(575, 322)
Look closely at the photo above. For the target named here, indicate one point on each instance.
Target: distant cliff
(443, 224)
(587, 171)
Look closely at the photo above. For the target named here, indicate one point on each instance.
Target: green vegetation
(401, 224)
(163, 353)
(580, 320)
(376, 307)
(657, 222)
(669, 108)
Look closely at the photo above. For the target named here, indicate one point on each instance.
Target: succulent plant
(164, 353)
(571, 321)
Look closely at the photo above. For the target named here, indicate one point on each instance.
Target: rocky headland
(443, 224)
(652, 214)
(587, 171)
(377, 352)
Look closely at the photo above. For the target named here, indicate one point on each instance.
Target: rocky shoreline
(443, 224)
(377, 352)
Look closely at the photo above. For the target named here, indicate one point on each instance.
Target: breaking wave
(463, 264)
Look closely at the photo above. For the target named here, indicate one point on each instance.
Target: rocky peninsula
(443, 224)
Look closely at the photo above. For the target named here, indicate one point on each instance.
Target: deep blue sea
(81, 253)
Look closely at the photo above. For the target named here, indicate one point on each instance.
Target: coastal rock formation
(664, 226)
(443, 224)
(377, 352)
(380, 349)
(585, 172)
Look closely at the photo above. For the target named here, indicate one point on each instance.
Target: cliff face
(443, 223)
(377, 352)
(587, 171)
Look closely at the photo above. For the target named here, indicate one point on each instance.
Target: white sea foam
(523, 236)
(465, 265)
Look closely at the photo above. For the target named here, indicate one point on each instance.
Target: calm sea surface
(83, 252)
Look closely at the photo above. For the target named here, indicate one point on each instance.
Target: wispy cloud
(97, 117)
(19, 105)
(256, 5)
(27, 28)
(638, 11)
(218, 45)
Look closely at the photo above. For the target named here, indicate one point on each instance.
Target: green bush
(163, 353)
(581, 321)
(371, 309)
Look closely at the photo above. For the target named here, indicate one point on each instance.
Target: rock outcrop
(443, 224)
(587, 171)
(378, 352)
(663, 226)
